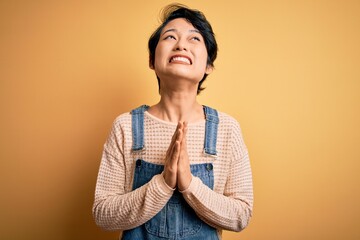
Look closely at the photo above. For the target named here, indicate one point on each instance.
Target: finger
(175, 148)
(185, 129)
(173, 139)
(180, 132)
(176, 134)
(176, 153)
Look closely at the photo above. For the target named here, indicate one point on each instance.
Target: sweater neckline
(156, 119)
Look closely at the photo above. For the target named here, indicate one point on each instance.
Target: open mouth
(180, 59)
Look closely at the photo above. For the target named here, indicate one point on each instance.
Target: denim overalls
(177, 220)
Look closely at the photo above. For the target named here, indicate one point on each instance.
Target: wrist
(165, 183)
(185, 184)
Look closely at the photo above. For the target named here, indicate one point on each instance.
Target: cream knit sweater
(228, 206)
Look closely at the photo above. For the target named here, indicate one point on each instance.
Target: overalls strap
(137, 125)
(211, 128)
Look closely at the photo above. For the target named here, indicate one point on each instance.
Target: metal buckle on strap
(210, 155)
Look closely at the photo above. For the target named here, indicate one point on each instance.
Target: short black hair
(198, 20)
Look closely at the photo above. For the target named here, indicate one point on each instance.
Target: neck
(178, 106)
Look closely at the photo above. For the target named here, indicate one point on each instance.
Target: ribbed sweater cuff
(195, 181)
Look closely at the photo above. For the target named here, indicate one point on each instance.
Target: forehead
(179, 24)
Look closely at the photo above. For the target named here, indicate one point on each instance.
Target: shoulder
(121, 122)
(227, 121)
(229, 129)
(123, 118)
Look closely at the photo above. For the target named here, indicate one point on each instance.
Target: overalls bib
(177, 220)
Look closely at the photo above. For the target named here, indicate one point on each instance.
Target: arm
(231, 210)
(116, 209)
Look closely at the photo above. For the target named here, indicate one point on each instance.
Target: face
(181, 52)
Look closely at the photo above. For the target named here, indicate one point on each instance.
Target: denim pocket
(144, 172)
(176, 220)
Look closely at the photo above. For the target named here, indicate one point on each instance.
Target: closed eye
(196, 38)
(169, 37)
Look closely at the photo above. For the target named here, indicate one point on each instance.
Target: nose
(181, 45)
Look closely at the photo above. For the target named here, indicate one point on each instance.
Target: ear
(209, 69)
(151, 66)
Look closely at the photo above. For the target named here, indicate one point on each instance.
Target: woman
(177, 169)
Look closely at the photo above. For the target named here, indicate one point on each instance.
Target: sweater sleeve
(232, 209)
(114, 208)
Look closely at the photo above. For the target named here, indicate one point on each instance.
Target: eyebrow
(174, 30)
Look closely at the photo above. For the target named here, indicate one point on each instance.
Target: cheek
(159, 54)
(204, 59)
(203, 55)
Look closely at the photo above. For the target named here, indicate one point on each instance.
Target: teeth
(180, 59)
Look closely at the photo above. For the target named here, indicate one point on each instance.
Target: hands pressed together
(177, 172)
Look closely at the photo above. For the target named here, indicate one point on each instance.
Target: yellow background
(289, 71)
